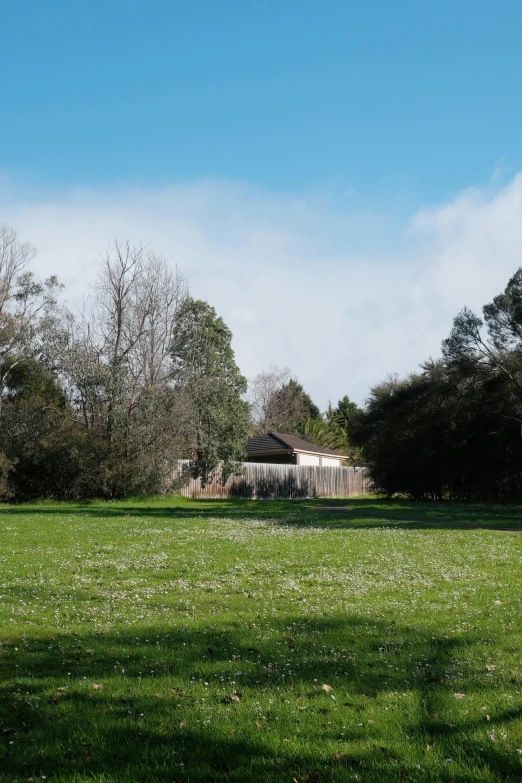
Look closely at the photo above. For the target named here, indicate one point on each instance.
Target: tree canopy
(104, 403)
(279, 402)
(205, 373)
(453, 430)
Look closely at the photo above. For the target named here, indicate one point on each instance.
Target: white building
(281, 449)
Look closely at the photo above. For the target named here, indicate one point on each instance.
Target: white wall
(315, 459)
(307, 459)
(333, 462)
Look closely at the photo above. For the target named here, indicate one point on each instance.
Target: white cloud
(342, 295)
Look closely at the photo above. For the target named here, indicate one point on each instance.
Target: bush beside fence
(261, 480)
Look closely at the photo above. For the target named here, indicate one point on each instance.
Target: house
(281, 449)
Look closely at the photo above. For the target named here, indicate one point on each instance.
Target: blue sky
(382, 98)
(337, 178)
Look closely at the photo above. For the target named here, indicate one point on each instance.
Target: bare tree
(116, 361)
(264, 390)
(165, 290)
(15, 257)
(24, 304)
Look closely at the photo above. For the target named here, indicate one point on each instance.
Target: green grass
(174, 640)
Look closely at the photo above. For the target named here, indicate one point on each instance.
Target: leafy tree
(105, 403)
(205, 374)
(346, 414)
(346, 411)
(116, 364)
(438, 434)
(326, 432)
(288, 406)
(29, 378)
(295, 390)
(453, 429)
(497, 348)
(45, 453)
(25, 305)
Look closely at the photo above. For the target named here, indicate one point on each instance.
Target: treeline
(453, 430)
(104, 402)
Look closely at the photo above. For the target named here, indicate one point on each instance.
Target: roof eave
(296, 451)
(268, 453)
(333, 454)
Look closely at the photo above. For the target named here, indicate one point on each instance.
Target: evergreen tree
(346, 412)
(205, 373)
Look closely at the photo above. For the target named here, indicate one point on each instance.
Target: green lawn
(174, 640)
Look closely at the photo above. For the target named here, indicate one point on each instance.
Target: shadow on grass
(67, 709)
(356, 513)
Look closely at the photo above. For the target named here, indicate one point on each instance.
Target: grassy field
(173, 640)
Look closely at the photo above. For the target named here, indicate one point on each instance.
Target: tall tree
(25, 304)
(437, 434)
(346, 411)
(263, 392)
(280, 403)
(116, 363)
(345, 415)
(498, 347)
(205, 374)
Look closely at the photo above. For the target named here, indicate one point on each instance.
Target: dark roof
(276, 442)
(261, 443)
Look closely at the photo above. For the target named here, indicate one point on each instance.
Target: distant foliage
(453, 430)
(104, 403)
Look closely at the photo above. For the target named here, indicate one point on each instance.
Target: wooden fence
(262, 480)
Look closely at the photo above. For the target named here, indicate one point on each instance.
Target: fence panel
(262, 480)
